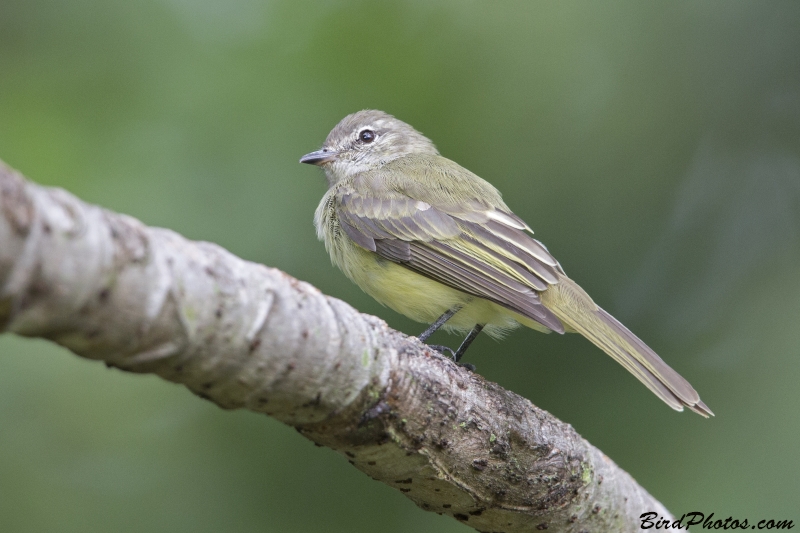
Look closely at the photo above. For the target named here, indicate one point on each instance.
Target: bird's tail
(579, 313)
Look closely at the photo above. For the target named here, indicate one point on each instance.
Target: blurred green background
(653, 146)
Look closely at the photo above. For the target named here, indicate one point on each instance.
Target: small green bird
(436, 243)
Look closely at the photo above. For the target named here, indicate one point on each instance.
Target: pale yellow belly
(420, 298)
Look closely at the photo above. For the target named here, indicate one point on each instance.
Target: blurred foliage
(654, 146)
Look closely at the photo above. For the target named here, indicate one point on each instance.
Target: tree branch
(243, 335)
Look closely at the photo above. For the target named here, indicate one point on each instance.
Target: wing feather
(359, 236)
(460, 276)
(468, 256)
(394, 250)
(525, 270)
(370, 227)
(516, 240)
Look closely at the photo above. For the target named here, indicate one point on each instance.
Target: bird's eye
(366, 136)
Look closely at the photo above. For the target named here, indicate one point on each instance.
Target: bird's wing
(471, 247)
(464, 236)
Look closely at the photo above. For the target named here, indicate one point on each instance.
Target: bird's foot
(444, 350)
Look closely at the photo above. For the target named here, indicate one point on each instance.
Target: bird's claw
(444, 350)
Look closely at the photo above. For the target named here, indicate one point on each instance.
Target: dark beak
(319, 157)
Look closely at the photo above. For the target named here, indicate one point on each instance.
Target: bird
(436, 243)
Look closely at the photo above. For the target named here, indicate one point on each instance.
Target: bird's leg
(439, 323)
(447, 315)
(464, 345)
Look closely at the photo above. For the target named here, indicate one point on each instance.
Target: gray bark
(243, 335)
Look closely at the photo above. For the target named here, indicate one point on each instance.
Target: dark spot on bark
(599, 479)
(499, 449)
(103, 295)
(351, 462)
(290, 367)
(406, 481)
(46, 228)
(596, 509)
(573, 519)
(447, 506)
(350, 454)
(254, 345)
(218, 312)
(304, 334)
(93, 334)
(436, 490)
(462, 517)
(262, 401)
(480, 464)
(477, 512)
(374, 412)
(542, 526)
(210, 271)
(371, 463)
(204, 396)
(337, 365)
(179, 368)
(405, 490)
(207, 385)
(35, 290)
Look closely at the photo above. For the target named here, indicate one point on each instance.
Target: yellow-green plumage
(423, 235)
(413, 295)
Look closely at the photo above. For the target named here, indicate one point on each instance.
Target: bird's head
(364, 141)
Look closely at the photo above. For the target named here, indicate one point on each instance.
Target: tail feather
(578, 312)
